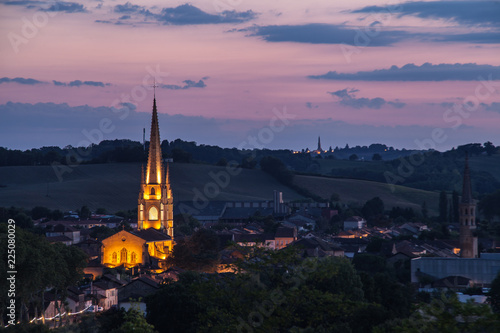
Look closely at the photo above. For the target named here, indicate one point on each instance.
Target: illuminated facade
(135, 248)
(123, 248)
(152, 243)
(155, 207)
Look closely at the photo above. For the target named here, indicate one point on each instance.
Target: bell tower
(155, 206)
(467, 217)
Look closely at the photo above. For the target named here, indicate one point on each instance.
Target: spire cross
(154, 88)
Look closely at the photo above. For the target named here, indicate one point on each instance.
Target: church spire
(319, 144)
(467, 188)
(467, 217)
(154, 168)
(142, 174)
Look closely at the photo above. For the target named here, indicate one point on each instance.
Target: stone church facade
(152, 243)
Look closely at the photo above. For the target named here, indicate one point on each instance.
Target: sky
(250, 73)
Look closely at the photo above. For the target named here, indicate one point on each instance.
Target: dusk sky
(422, 74)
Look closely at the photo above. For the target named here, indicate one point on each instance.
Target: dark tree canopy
(373, 207)
(276, 168)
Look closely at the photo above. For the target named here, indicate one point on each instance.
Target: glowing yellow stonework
(155, 207)
(155, 235)
(123, 248)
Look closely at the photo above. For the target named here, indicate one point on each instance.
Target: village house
(354, 222)
(135, 292)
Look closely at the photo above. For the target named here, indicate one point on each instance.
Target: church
(153, 241)
(480, 269)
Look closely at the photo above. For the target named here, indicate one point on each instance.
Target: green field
(359, 191)
(116, 186)
(326, 166)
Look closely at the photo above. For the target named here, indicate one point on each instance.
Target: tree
(376, 157)
(56, 215)
(494, 294)
(455, 205)
(248, 162)
(446, 314)
(23, 221)
(181, 156)
(335, 197)
(40, 266)
(101, 211)
(489, 148)
(134, 322)
(200, 252)
(489, 205)
(186, 224)
(38, 212)
(443, 206)
(85, 212)
(221, 162)
(373, 207)
(101, 232)
(276, 168)
(425, 210)
(274, 291)
(353, 157)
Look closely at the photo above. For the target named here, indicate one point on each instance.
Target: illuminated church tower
(155, 209)
(467, 217)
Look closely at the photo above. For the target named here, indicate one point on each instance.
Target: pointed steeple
(167, 182)
(142, 174)
(154, 168)
(467, 188)
(319, 144)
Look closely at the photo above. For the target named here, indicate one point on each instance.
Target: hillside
(116, 186)
(359, 191)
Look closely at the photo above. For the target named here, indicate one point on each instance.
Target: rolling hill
(359, 191)
(116, 186)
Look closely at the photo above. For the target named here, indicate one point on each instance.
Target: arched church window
(153, 213)
(465, 211)
(114, 257)
(133, 258)
(123, 255)
(153, 192)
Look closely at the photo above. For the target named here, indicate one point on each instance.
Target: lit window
(123, 255)
(153, 213)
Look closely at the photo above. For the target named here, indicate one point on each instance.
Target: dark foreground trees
(40, 266)
(275, 291)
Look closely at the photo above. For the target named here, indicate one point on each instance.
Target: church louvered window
(153, 214)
